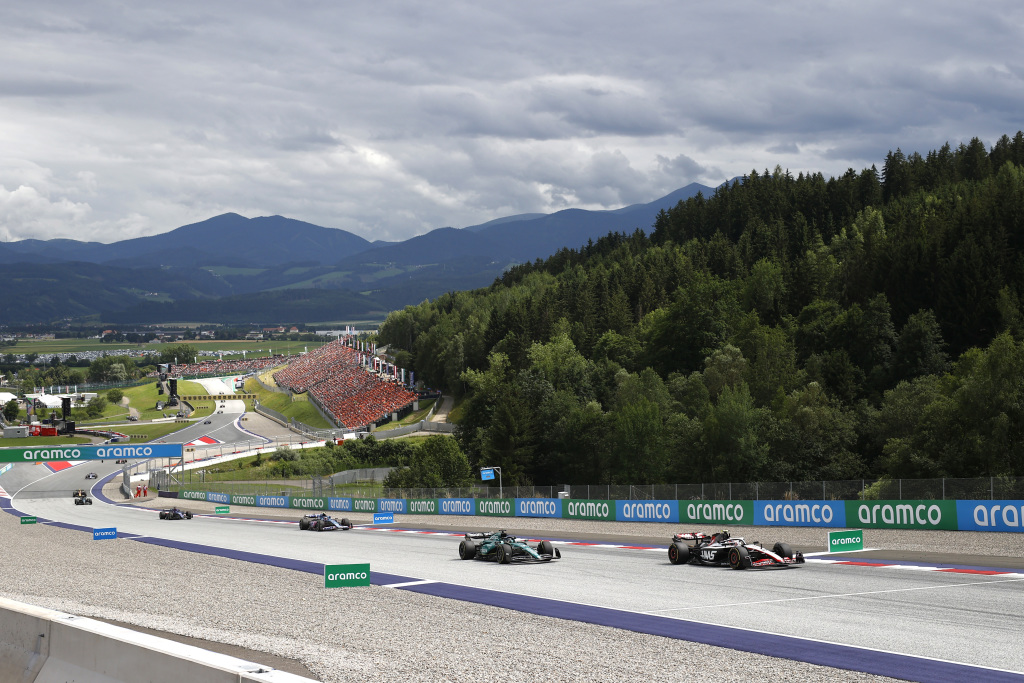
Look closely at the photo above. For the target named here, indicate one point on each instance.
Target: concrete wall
(39, 645)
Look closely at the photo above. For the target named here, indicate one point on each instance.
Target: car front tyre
(504, 553)
(739, 558)
(783, 550)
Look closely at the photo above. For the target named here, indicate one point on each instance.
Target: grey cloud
(20, 87)
(389, 119)
(784, 148)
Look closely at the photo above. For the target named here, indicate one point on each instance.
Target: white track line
(407, 583)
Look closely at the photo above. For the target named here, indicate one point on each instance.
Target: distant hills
(237, 270)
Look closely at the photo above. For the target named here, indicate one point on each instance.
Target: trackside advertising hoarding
(968, 515)
(830, 513)
(313, 504)
(647, 510)
(716, 512)
(339, 504)
(393, 505)
(421, 506)
(902, 514)
(538, 507)
(588, 509)
(456, 506)
(344, 575)
(80, 452)
(990, 515)
(494, 507)
(838, 541)
(364, 505)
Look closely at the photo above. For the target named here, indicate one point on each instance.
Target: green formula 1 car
(505, 548)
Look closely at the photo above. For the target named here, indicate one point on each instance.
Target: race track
(969, 618)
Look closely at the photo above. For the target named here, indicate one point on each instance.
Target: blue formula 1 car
(175, 513)
(505, 548)
(322, 522)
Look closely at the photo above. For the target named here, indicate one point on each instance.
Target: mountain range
(272, 269)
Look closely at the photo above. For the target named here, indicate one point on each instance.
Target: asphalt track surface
(902, 620)
(223, 428)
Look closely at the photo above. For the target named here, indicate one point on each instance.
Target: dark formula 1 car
(505, 548)
(323, 522)
(91, 475)
(721, 549)
(175, 513)
(80, 497)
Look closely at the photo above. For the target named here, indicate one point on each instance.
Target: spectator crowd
(335, 376)
(226, 367)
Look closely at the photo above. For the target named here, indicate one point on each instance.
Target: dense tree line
(783, 328)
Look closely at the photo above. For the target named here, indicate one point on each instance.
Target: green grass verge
(297, 407)
(270, 488)
(458, 410)
(144, 398)
(411, 418)
(153, 431)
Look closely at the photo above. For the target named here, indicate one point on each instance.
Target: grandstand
(214, 368)
(336, 377)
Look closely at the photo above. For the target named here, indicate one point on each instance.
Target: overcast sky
(389, 119)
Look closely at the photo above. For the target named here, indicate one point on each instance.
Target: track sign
(486, 474)
(104, 534)
(839, 541)
(345, 575)
(221, 510)
(383, 518)
(27, 519)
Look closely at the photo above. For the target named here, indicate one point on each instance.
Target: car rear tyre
(163, 515)
(678, 553)
(782, 550)
(467, 550)
(545, 548)
(303, 524)
(739, 558)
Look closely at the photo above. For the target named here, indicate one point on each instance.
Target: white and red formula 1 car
(721, 549)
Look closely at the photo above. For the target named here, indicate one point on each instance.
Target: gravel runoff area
(374, 634)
